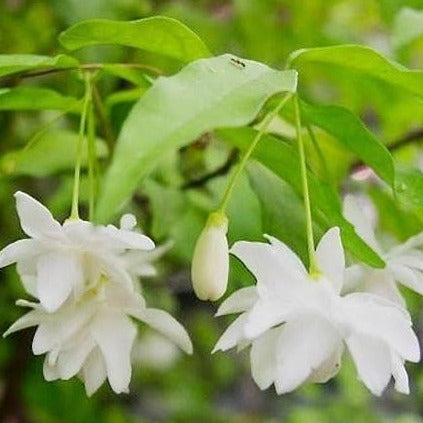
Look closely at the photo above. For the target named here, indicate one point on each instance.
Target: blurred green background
(168, 386)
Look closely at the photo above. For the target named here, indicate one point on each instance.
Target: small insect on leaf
(238, 62)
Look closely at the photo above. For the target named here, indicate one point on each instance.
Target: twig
(220, 171)
(403, 141)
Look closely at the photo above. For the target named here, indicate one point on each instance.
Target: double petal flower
(85, 278)
(298, 325)
(404, 263)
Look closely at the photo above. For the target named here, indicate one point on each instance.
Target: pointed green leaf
(52, 152)
(282, 159)
(350, 131)
(36, 98)
(157, 34)
(364, 60)
(14, 63)
(206, 94)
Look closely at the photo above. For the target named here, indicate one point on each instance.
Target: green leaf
(14, 63)
(36, 98)
(206, 94)
(280, 204)
(282, 159)
(408, 26)
(350, 131)
(363, 60)
(157, 34)
(52, 152)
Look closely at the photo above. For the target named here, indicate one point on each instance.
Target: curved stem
(313, 269)
(235, 175)
(77, 175)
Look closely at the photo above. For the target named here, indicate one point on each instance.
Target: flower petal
(331, 259)
(241, 300)
(28, 320)
(377, 317)
(400, 374)
(409, 277)
(57, 273)
(17, 251)
(36, 220)
(304, 345)
(166, 324)
(263, 358)
(381, 282)
(362, 225)
(233, 335)
(116, 348)
(94, 371)
(49, 371)
(275, 267)
(71, 360)
(125, 239)
(372, 360)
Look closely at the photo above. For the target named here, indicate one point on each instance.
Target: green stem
(235, 175)
(313, 269)
(91, 161)
(77, 175)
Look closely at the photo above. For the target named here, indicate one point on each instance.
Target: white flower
(298, 326)
(93, 337)
(404, 263)
(210, 262)
(60, 260)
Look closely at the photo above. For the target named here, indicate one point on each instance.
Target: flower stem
(77, 175)
(91, 150)
(235, 175)
(313, 268)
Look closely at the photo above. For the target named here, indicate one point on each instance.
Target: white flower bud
(210, 263)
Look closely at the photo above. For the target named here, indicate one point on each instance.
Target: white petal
(125, 239)
(26, 321)
(36, 220)
(232, 336)
(27, 270)
(49, 371)
(304, 345)
(58, 273)
(18, 250)
(400, 374)
(373, 361)
(263, 358)
(71, 360)
(331, 259)
(353, 275)
(381, 282)
(241, 300)
(115, 335)
(128, 222)
(374, 316)
(329, 368)
(362, 225)
(411, 278)
(167, 325)
(275, 270)
(415, 241)
(94, 372)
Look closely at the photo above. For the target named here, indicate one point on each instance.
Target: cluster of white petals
(84, 277)
(404, 262)
(298, 325)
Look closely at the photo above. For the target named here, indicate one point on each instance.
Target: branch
(220, 171)
(405, 140)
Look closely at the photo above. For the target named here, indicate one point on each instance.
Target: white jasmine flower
(298, 325)
(60, 260)
(94, 337)
(210, 262)
(404, 263)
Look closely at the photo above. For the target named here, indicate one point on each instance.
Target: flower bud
(210, 263)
